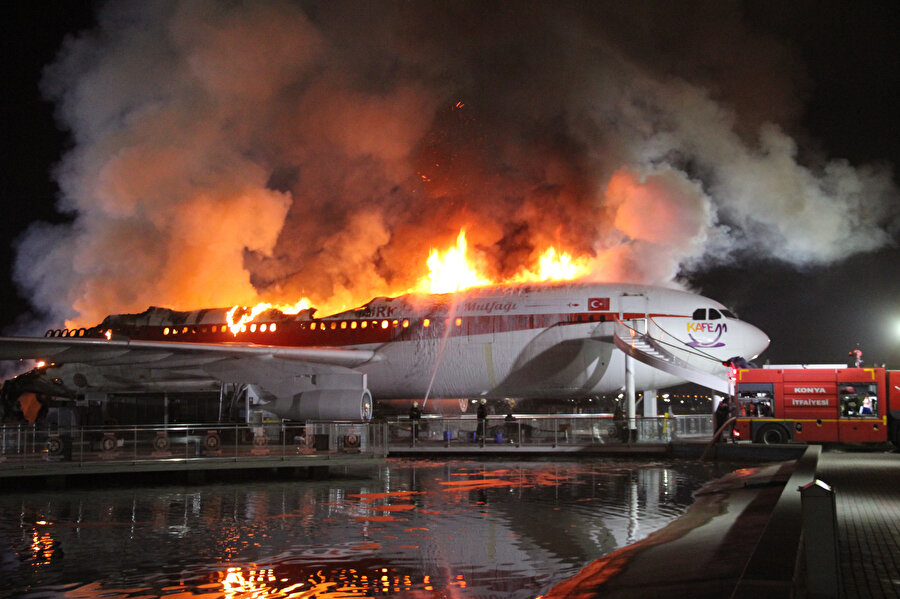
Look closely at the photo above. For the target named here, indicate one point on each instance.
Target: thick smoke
(228, 152)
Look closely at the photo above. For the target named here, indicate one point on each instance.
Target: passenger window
(699, 314)
(714, 314)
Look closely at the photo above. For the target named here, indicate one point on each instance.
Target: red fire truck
(845, 405)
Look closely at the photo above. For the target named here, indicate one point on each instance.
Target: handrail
(559, 430)
(667, 361)
(22, 446)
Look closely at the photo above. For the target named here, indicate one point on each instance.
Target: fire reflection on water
(43, 548)
(418, 529)
(240, 583)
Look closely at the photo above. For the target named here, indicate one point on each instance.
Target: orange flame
(554, 266)
(449, 271)
(452, 270)
(248, 314)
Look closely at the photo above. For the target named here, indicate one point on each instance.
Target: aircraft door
(633, 310)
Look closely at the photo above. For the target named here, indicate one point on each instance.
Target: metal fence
(551, 430)
(21, 445)
(24, 444)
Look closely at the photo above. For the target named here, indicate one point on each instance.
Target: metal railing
(551, 430)
(22, 444)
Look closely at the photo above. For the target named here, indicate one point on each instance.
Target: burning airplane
(511, 341)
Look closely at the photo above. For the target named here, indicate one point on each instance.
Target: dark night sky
(812, 315)
(818, 314)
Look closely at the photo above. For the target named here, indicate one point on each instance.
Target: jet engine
(331, 396)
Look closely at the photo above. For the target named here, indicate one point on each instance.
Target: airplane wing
(297, 382)
(128, 351)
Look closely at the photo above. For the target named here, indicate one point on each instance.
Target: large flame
(554, 266)
(451, 270)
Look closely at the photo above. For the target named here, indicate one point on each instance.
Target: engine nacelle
(331, 396)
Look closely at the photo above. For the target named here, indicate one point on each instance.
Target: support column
(629, 397)
(650, 410)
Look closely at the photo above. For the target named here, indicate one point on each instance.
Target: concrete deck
(867, 493)
(743, 537)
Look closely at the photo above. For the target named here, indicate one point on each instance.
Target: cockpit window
(714, 314)
(728, 314)
(699, 314)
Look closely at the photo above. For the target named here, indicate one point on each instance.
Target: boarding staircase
(644, 348)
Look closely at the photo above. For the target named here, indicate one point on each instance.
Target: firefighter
(415, 414)
(509, 424)
(482, 419)
(856, 356)
(619, 423)
(723, 413)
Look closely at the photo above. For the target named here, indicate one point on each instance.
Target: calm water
(408, 529)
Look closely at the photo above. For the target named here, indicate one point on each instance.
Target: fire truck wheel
(771, 434)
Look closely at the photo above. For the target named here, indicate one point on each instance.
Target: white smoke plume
(228, 152)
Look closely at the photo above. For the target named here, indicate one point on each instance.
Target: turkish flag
(595, 304)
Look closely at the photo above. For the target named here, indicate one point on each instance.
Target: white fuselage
(541, 341)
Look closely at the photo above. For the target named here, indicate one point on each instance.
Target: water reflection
(413, 529)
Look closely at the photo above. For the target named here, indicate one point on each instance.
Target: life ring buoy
(54, 446)
(161, 443)
(108, 443)
(212, 442)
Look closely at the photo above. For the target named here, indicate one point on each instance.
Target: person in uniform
(415, 414)
(482, 419)
(723, 413)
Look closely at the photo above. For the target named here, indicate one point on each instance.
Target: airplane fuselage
(527, 341)
(551, 341)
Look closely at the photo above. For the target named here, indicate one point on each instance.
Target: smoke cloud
(233, 152)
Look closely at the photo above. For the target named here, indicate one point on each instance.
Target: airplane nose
(756, 340)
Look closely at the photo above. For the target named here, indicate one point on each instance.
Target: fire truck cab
(845, 405)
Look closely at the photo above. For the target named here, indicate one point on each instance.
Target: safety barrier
(539, 430)
(21, 444)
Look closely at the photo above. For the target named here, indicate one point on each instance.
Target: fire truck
(816, 405)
